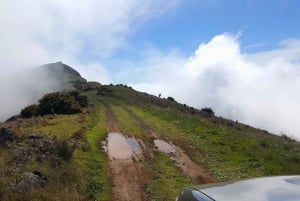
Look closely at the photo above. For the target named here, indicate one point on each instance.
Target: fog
(20, 87)
(80, 34)
(261, 89)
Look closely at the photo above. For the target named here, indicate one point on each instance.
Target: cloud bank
(22, 88)
(261, 89)
(79, 33)
(37, 32)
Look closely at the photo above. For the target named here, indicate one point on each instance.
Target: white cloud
(23, 88)
(93, 71)
(35, 32)
(260, 89)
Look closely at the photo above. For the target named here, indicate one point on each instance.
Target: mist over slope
(260, 89)
(20, 88)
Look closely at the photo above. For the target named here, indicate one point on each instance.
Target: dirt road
(127, 173)
(126, 169)
(196, 172)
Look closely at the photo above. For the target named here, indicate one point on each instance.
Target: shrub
(65, 151)
(104, 90)
(82, 100)
(208, 111)
(29, 111)
(6, 135)
(56, 103)
(170, 98)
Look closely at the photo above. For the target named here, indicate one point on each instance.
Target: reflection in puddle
(120, 147)
(164, 146)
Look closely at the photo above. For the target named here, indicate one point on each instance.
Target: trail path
(196, 172)
(127, 174)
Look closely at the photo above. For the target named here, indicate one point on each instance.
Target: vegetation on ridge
(66, 148)
(56, 103)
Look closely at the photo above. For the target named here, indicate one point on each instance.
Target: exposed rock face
(6, 135)
(29, 181)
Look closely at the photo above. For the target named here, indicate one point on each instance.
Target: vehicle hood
(283, 188)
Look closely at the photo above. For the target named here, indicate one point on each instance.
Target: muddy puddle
(188, 167)
(164, 146)
(120, 147)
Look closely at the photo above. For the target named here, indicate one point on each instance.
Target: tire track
(128, 177)
(196, 172)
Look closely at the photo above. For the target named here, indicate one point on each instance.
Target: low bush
(65, 150)
(208, 111)
(104, 90)
(29, 111)
(170, 98)
(56, 103)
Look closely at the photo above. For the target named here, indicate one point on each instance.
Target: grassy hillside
(226, 149)
(230, 150)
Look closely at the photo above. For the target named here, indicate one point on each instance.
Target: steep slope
(67, 77)
(64, 74)
(170, 145)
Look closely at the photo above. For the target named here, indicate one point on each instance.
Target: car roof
(281, 188)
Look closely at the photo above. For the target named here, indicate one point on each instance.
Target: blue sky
(262, 23)
(240, 57)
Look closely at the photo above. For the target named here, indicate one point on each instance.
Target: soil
(196, 172)
(111, 121)
(128, 180)
(128, 177)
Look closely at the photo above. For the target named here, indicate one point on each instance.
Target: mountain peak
(60, 67)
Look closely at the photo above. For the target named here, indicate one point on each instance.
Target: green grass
(64, 180)
(227, 152)
(83, 177)
(126, 123)
(94, 160)
(60, 126)
(166, 179)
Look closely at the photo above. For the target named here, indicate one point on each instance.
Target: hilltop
(171, 145)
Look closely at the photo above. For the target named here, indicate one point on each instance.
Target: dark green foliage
(13, 118)
(57, 103)
(6, 135)
(208, 111)
(170, 98)
(82, 100)
(91, 86)
(65, 150)
(104, 90)
(29, 111)
(93, 187)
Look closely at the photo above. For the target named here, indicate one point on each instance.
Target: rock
(35, 136)
(6, 135)
(29, 181)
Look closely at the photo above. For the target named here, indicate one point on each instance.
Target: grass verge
(229, 153)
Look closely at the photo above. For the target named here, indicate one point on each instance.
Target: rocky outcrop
(6, 135)
(29, 181)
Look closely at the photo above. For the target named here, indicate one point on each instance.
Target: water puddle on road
(121, 147)
(164, 146)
